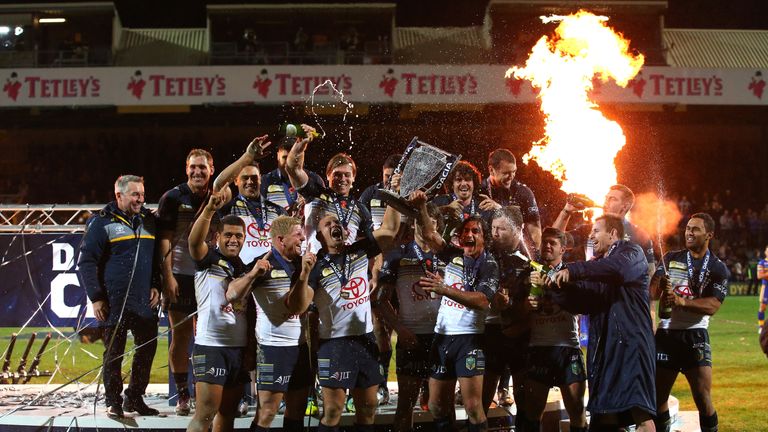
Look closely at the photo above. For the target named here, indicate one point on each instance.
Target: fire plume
(580, 144)
(654, 214)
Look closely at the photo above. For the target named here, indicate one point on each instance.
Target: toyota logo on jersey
(256, 232)
(354, 289)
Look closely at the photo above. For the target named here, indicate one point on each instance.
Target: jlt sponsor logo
(283, 379)
(216, 372)
(340, 375)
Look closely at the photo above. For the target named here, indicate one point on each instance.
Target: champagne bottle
(665, 310)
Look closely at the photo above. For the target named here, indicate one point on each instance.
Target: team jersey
(762, 266)
(403, 267)
(692, 279)
(371, 199)
(278, 190)
(466, 274)
(342, 294)
(177, 210)
(258, 215)
(513, 273)
(351, 213)
(219, 323)
(518, 194)
(552, 325)
(275, 325)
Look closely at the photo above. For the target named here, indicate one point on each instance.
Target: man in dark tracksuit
(116, 267)
(613, 290)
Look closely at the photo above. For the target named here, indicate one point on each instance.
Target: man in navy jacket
(613, 290)
(117, 269)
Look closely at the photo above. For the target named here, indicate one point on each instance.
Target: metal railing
(56, 58)
(48, 218)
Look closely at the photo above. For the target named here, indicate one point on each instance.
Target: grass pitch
(740, 372)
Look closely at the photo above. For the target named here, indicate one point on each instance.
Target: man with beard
(694, 283)
(217, 357)
(415, 319)
(337, 199)
(554, 356)
(502, 187)
(506, 327)
(463, 200)
(470, 282)
(177, 210)
(250, 205)
(338, 286)
(276, 186)
(283, 359)
(613, 290)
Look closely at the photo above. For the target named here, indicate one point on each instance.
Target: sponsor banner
(403, 84)
(39, 280)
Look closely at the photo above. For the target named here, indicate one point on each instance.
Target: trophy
(422, 167)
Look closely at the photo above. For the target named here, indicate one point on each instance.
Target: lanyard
(288, 267)
(703, 273)
(471, 277)
(344, 217)
(258, 213)
(341, 273)
(426, 265)
(286, 190)
(471, 207)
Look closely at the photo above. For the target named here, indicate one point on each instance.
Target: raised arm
(300, 295)
(429, 233)
(294, 166)
(390, 224)
(256, 150)
(238, 288)
(198, 248)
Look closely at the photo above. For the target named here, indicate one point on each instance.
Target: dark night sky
(745, 14)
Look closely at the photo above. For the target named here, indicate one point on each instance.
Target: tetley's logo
(288, 84)
(174, 86)
(412, 83)
(37, 87)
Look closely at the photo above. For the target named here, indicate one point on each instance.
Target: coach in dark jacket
(613, 290)
(116, 268)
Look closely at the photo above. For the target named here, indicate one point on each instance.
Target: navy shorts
(283, 368)
(414, 361)
(219, 365)
(502, 352)
(349, 362)
(681, 350)
(457, 356)
(186, 301)
(556, 366)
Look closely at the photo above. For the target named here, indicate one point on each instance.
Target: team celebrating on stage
(287, 279)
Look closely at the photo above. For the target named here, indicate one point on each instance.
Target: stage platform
(72, 409)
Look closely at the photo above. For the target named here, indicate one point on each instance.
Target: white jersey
(275, 325)
(403, 268)
(344, 309)
(453, 317)
(219, 323)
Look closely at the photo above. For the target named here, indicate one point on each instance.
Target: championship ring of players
(422, 167)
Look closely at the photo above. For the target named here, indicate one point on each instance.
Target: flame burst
(580, 144)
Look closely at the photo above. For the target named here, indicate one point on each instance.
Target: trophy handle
(398, 203)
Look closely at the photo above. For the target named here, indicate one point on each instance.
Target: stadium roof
(697, 48)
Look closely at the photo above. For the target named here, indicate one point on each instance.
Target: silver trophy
(422, 167)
